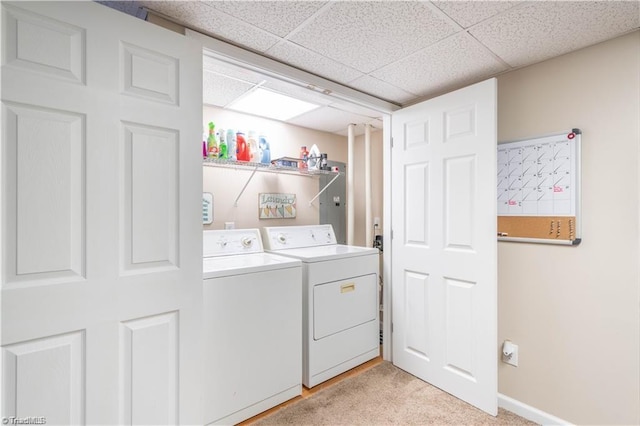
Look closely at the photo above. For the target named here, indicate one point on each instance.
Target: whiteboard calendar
(539, 177)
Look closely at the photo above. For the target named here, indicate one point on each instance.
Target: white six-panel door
(444, 243)
(101, 255)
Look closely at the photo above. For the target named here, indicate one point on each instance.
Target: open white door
(101, 255)
(444, 261)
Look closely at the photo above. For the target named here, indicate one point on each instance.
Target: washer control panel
(231, 241)
(288, 237)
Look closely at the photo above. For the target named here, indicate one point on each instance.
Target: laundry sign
(276, 206)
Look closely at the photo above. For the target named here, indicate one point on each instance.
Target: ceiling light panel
(266, 103)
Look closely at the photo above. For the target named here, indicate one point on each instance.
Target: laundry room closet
(280, 183)
(234, 186)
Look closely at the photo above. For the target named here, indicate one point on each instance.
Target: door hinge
(392, 327)
(391, 142)
(392, 234)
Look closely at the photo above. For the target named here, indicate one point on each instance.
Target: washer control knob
(247, 241)
(222, 243)
(282, 238)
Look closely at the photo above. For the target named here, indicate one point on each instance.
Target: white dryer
(252, 326)
(340, 299)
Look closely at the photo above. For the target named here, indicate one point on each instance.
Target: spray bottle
(212, 143)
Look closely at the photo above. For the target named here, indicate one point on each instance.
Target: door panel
(101, 257)
(459, 214)
(416, 202)
(444, 263)
(149, 372)
(46, 376)
(34, 164)
(150, 179)
(417, 339)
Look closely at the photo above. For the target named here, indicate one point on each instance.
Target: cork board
(538, 192)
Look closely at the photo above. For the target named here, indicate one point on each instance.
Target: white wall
(574, 311)
(377, 177)
(285, 140)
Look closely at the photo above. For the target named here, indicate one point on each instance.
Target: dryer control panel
(288, 237)
(231, 241)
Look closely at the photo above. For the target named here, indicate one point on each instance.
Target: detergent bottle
(231, 145)
(242, 150)
(304, 157)
(265, 150)
(223, 151)
(212, 143)
(252, 145)
(204, 143)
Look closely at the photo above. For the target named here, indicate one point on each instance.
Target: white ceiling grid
(399, 51)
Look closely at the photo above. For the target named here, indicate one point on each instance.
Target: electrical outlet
(376, 221)
(510, 353)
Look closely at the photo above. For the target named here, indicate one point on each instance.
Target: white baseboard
(529, 412)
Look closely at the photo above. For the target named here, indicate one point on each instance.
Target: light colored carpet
(385, 395)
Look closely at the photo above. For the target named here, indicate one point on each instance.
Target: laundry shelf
(269, 168)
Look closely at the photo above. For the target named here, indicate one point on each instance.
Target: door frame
(261, 64)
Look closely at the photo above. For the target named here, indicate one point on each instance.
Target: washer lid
(330, 252)
(222, 266)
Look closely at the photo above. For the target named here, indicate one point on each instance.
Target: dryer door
(340, 305)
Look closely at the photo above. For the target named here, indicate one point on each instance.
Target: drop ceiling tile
(452, 63)
(198, 15)
(313, 62)
(276, 17)
(219, 90)
(328, 119)
(381, 89)
(542, 30)
(468, 13)
(369, 35)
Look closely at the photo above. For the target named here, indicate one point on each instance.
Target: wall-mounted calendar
(538, 192)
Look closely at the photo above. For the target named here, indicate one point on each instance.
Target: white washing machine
(340, 299)
(252, 326)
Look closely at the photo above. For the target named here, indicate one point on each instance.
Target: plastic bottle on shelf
(323, 162)
(242, 150)
(265, 150)
(231, 145)
(223, 149)
(204, 143)
(304, 157)
(252, 145)
(212, 143)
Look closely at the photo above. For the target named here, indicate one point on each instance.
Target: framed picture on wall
(276, 206)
